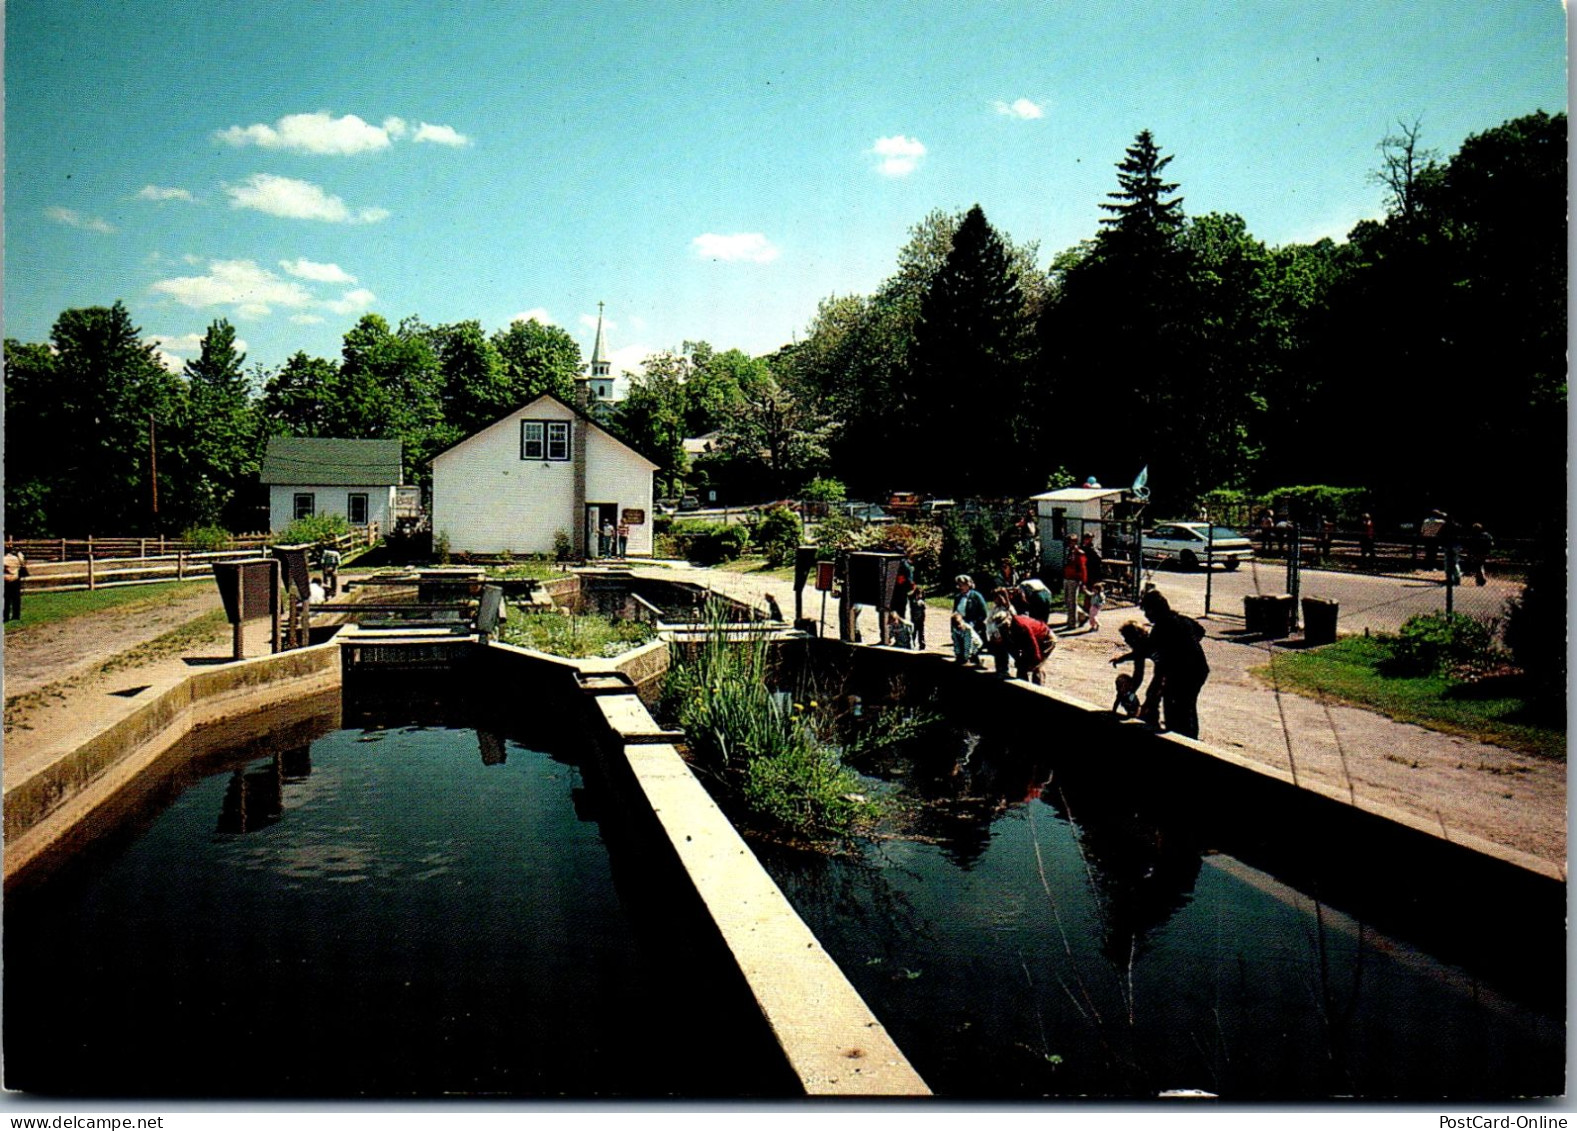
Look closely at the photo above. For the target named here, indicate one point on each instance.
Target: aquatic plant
(768, 748)
(575, 635)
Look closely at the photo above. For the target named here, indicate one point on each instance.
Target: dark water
(413, 911)
(1064, 930)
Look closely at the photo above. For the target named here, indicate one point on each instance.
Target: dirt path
(54, 652)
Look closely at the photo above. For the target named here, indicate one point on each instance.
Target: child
(1127, 701)
(917, 616)
(899, 634)
(966, 641)
(1097, 603)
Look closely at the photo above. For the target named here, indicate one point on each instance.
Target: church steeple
(601, 374)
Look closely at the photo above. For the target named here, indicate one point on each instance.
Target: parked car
(667, 506)
(1188, 545)
(690, 503)
(865, 512)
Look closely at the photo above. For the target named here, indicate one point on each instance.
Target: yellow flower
(814, 704)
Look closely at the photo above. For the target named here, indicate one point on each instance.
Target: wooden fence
(110, 562)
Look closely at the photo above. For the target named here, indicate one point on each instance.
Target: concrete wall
(330, 500)
(68, 792)
(487, 499)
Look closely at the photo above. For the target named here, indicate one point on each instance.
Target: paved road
(1380, 603)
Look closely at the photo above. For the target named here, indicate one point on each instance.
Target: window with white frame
(306, 504)
(544, 439)
(356, 508)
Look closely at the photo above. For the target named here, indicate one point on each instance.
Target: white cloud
(297, 200)
(323, 134)
(160, 195)
(317, 272)
(240, 283)
(751, 246)
(351, 301)
(74, 219)
(1020, 108)
(306, 319)
(535, 314)
(899, 155)
(312, 133)
(630, 359)
(440, 135)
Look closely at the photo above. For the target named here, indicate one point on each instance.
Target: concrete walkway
(1461, 786)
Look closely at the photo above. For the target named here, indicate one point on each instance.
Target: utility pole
(153, 468)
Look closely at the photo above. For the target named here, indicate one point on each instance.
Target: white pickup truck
(1189, 545)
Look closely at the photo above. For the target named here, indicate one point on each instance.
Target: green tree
(537, 359)
(296, 398)
(971, 348)
(389, 388)
(218, 431)
(92, 436)
(30, 436)
(651, 419)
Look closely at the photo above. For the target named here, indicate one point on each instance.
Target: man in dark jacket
(1179, 667)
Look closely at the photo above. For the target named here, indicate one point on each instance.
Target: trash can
(1268, 615)
(1319, 620)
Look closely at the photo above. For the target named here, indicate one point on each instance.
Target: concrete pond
(423, 867)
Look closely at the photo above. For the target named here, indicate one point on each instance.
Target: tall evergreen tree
(218, 431)
(968, 364)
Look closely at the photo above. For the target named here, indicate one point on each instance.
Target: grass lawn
(572, 636)
(1490, 710)
(40, 608)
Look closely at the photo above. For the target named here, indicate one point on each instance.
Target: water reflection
(1057, 919)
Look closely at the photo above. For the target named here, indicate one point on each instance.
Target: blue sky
(709, 171)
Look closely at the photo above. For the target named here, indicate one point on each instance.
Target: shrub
(922, 545)
(1434, 642)
(206, 539)
(1536, 621)
(822, 490)
(315, 528)
(708, 543)
(778, 535)
(563, 546)
(441, 547)
(970, 544)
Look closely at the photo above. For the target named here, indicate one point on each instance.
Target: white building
(308, 476)
(547, 467)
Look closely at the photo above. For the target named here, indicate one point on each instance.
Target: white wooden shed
(547, 467)
(1073, 510)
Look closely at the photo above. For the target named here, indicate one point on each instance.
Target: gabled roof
(590, 420)
(315, 461)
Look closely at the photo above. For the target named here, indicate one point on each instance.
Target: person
(1366, 543)
(1094, 571)
(970, 605)
(331, 560)
(899, 634)
(15, 572)
(1036, 598)
(1030, 642)
(1267, 528)
(1430, 530)
(1097, 602)
(1137, 638)
(966, 641)
(902, 586)
(997, 640)
(1073, 579)
(774, 612)
(917, 615)
(605, 539)
(1179, 662)
(1475, 551)
(1127, 700)
(623, 533)
(1007, 576)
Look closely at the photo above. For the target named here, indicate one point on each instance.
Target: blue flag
(1141, 488)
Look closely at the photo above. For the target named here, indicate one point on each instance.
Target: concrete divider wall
(827, 1035)
(47, 804)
